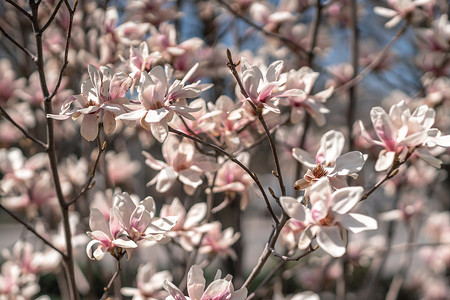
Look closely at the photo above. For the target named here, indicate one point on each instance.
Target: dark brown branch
(26, 133)
(52, 17)
(295, 48)
(355, 64)
(315, 32)
(32, 230)
(16, 43)
(233, 159)
(20, 9)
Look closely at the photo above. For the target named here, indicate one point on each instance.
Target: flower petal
(329, 239)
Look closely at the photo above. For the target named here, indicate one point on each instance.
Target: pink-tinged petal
(301, 184)
(190, 73)
(89, 109)
(357, 222)
(149, 204)
(320, 191)
(195, 283)
(385, 12)
(190, 177)
(393, 22)
(120, 84)
(156, 115)
(125, 207)
(160, 130)
(400, 115)
(158, 76)
(367, 136)
(251, 80)
(443, 140)
(174, 291)
(166, 178)
(274, 70)
(125, 243)
(331, 146)
(58, 117)
(271, 107)
(96, 78)
(240, 294)
(100, 252)
(304, 158)
(294, 208)
(349, 163)
(319, 211)
(134, 115)
(266, 92)
(109, 123)
(185, 111)
(415, 139)
(234, 186)
(297, 114)
(219, 289)
(100, 236)
(384, 127)
(89, 249)
(97, 221)
(385, 160)
(152, 162)
(307, 236)
(428, 157)
(329, 239)
(161, 225)
(114, 223)
(346, 198)
(195, 215)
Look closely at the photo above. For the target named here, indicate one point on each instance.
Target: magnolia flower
(231, 179)
(108, 236)
(402, 9)
(157, 99)
(400, 130)
(261, 88)
(187, 228)
(183, 162)
(304, 79)
(217, 241)
(138, 221)
(102, 98)
(328, 215)
(329, 162)
(218, 289)
(149, 284)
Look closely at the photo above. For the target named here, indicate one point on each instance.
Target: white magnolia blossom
(328, 216)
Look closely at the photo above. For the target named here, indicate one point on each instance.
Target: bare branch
(52, 17)
(20, 9)
(16, 43)
(23, 130)
(32, 230)
(295, 48)
(233, 159)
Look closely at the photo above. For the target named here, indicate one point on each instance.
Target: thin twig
(373, 64)
(233, 159)
(295, 48)
(232, 66)
(266, 252)
(89, 183)
(20, 9)
(393, 170)
(26, 133)
(108, 287)
(31, 229)
(52, 17)
(315, 32)
(16, 43)
(292, 258)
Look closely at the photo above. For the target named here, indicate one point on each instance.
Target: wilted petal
(329, 239)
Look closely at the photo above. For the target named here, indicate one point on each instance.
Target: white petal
(349, 163)
(385, 160)
(294, 208)
(304, 157)
(196, 282)
(346, 198)
(329, 239)
(357, 222)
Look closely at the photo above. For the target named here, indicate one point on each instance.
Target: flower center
(327, 221)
